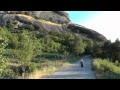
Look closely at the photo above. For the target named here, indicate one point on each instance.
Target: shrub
(10, 26)
(31, 67)
(8, 74)
(50, 56)
(108, 69)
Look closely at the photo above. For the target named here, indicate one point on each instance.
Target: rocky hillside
(46, 21)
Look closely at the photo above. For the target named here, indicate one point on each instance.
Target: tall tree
(115, 50)
(78, 46)
(25, 52)
(89, 46)
(3, 60)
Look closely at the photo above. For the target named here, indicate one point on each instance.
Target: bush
(8, 74)
(50, 56)
(31, 67)
(10, 26)
(108, 69)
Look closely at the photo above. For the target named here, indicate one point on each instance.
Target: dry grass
(48, 22)
(50, 67)
(43, 21)
(98, 75)
(13, 64)
(29, 17)
(47, 70)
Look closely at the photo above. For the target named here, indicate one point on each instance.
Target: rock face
(86, 33)
(46, 21)
(54, 16)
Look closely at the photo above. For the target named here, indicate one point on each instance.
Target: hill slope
(47, 21)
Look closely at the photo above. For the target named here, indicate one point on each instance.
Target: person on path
(82, 64)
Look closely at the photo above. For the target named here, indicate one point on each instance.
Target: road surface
(74, 71)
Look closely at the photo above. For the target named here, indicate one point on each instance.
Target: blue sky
(81, 16)
(105, 22)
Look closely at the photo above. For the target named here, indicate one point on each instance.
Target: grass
(47, 63)
(40, 20)
(48, 67)
(27, 16)
(46, 70)
(48, 22)
(105, 69)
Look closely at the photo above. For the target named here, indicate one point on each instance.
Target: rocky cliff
(47, 21)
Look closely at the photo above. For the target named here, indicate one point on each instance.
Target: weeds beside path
(74, 71)
(48, 67)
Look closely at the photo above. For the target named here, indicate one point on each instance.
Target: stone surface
(47, 21)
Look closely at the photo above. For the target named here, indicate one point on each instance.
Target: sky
(105, 22)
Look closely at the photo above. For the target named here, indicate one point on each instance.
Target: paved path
(74, 71)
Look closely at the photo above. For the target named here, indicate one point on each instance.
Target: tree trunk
(23, 73)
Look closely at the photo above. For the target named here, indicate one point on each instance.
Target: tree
(10, 26)
(3, 60)
(97, 51)
(79, 46)
(69, 41)
(89, 46)
(49, 45)
(115, 50)
(106, 49)
(13, 41)
(25, 52)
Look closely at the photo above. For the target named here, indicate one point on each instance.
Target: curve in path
(74, 71)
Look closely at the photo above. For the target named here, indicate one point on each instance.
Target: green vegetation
(78, 46)
(24, 53)
(33, 54)
(49, 66)
(10, 26)
(107, 50)
(4, 71)
(110, 53)
(106, 68)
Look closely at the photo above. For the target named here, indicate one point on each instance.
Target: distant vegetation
(108, 50)
(109, 54)
(24, 53)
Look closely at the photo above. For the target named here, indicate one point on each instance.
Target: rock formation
(47, 21)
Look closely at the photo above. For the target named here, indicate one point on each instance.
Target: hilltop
(47, 21)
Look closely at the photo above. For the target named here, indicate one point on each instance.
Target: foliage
(25, 52)
(49, 45)
(11, 38)
(3, 60)
(26, 49)
(106, 68)
(89, 46)
(107, 50)
(31, 67)
(10, 26)
(79, 46)
(8, 74)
